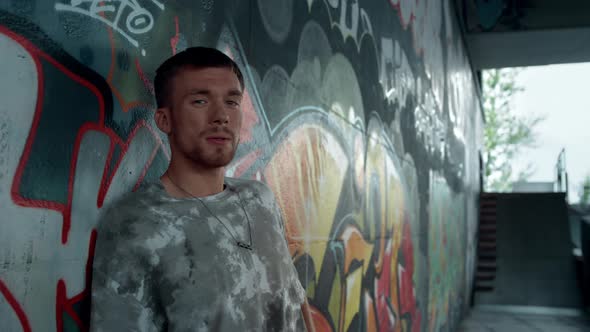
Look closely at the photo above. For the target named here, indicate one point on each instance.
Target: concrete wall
(535, 261)
(585, 237)
(362, 116)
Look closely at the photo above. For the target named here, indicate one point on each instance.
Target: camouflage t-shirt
(167, 264)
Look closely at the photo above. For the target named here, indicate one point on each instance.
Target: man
(197, 251)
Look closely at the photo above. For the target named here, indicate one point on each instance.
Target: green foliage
(505, 133)
(584, 191)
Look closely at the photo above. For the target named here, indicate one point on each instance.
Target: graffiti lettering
(359, 24)
(430, 126)
(138, 20)
(406, 10)
(344, 127)
(396, 77)
(93, 183)
(425, 20)
(457, 78)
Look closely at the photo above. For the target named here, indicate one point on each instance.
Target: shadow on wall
(359, 117)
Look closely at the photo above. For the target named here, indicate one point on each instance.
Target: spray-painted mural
(363, 118)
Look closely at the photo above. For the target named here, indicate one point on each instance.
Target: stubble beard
(212, 157)
(205, 156)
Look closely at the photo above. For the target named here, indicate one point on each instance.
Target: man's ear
(163, 120)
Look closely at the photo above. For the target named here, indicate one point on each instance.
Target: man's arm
(122, 287)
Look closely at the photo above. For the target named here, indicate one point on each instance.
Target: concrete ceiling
(515, 33)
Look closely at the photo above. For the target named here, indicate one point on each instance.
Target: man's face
(205, 115)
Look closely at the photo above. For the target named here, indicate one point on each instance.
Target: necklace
(238, 243)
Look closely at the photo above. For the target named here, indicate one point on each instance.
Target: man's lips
(218, 139)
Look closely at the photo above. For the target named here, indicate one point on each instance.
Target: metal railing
(561, 180)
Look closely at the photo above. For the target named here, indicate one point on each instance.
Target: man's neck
(182, 181)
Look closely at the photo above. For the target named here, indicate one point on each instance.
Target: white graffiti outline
(360, 25)
(159, 4)
(137, 22)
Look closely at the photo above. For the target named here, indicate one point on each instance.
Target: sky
(562, 94)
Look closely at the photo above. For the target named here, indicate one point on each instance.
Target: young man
(197, 251)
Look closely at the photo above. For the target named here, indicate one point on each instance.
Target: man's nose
(220, 115)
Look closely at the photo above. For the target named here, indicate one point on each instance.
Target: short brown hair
(193, 57)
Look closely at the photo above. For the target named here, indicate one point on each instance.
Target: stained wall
(362, 116)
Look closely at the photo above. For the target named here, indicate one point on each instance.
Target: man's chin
(221, 161)
(219, 164)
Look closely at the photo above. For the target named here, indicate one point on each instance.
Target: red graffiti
(406, 284)
(146, 82)
(174, 40)
(319, 321)
(65, 305)
(397, 5)
(385, 315)
(18, 310)
(37, 54)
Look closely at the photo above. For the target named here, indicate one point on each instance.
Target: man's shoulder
(131, 209)
(257, 188)
(258, 193)
(137, 202)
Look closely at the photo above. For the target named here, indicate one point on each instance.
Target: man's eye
(198, 101)
(233, 103)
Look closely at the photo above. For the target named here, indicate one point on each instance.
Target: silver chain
(238, 243)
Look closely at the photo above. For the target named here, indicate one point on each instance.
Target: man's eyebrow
(235, 93)
(231, 93)
(198, 92)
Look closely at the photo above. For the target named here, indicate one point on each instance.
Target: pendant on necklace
(244, 245)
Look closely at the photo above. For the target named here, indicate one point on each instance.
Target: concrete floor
(512, 319)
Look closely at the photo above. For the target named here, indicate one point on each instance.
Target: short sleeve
(295, 288)
(122, 287)
(277, 213)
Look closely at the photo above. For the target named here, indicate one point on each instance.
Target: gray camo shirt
(166, 264)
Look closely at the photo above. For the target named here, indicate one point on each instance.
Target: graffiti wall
(361, 116)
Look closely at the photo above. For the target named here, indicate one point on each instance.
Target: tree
(505, 133)
(584, 191)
